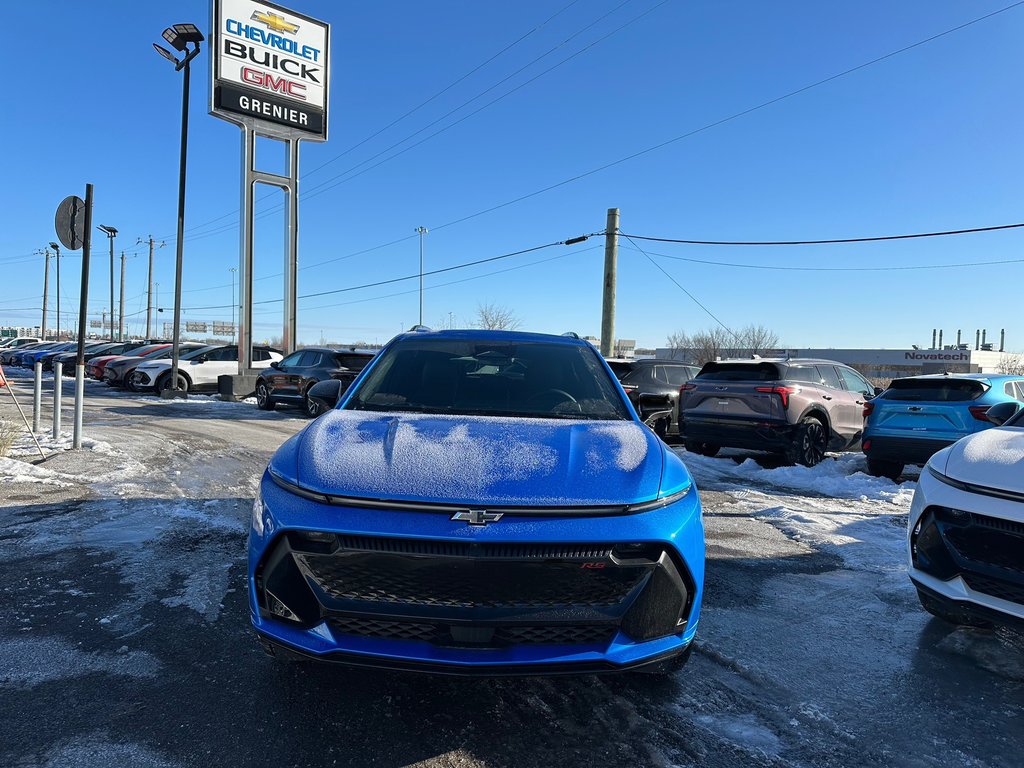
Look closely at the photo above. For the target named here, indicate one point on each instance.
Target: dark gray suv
(798, 408)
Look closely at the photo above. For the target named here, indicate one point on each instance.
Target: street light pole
(120, 313)
(179, 36)
(111, 233)
(422, 231)
(56, 250)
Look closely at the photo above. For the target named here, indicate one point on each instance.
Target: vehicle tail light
(630, 389)
(979, 411)
(868, 408)
(687, 387)
(782, 392)
(866, 446)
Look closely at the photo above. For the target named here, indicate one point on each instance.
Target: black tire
(703, 449)
(810, 442)
(889, 469)
(949, 613)
(263, 399)
(164, 383)
(310, 407)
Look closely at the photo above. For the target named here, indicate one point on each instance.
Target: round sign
(70, 222)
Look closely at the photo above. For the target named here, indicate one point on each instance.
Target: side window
(806, 375)
(677, 374)
(829, 377)
(659, 374)
(854, 382)
(1019, 394)
(292, 359)
(215, 355)
(258, 355)
(352, 362)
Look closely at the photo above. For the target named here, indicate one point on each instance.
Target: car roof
(782, 361)
(971, 376)
(482, 335)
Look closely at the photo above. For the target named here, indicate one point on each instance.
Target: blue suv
(920, 415)
(478, 503)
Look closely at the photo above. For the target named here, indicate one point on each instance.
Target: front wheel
(164, 383)
(263, 399)
(810, 442)
(889, 469)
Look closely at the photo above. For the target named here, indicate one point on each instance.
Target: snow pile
(841, 476)
(15, 471)
(25, 446)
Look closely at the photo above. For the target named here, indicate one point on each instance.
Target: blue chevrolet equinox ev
(479, 503)
(920, 415)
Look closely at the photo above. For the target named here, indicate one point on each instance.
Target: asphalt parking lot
(125, 638)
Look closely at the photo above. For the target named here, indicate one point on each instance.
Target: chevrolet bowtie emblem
(274, 22)
(477, 516)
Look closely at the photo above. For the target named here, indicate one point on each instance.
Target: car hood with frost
(993, 458)
(474, 460)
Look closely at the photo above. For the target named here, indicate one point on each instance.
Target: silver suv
(798, 408)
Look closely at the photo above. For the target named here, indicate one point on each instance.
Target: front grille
(984, 540)
(1004, 590)
(474, 594)
(466, 584)
(479, 636)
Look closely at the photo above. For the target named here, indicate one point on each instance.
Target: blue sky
(926, 140)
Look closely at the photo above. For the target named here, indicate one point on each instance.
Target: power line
(829, 242)
(836, 269)
(677, 284)
(338, 179)
(417, 107)
(408, 277)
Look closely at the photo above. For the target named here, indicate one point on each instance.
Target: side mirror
(878, 391)
(1002, 413)
(200, 359)
(276, 364)
(326, 393)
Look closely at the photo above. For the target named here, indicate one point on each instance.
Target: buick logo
(477, 516)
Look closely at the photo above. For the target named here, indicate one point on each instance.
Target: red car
(96, 366)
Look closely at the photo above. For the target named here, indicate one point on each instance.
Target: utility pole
(422, 231)
(611, 260)
(234, 302)
(149, 290)
(46, 291)
(120, 314)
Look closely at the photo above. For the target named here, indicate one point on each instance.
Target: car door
(282, 377)
(861, 389)
(841, 404)
(218, 362)
(309, 363)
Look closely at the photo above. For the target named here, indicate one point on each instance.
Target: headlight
(257, 512)
(943, 479)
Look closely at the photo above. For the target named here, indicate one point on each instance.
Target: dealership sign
(270, 69)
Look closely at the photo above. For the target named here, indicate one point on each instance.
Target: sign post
(270, 75)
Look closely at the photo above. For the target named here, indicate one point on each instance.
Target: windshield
(935, 390)
(716, 371)
(491, 378)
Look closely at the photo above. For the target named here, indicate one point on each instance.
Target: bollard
(79, 403)
(37, 397)
(57, 387)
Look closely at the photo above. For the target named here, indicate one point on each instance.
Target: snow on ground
(15, 471)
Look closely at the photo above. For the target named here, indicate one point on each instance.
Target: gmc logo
(275, 84)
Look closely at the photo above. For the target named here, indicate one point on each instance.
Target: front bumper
(903, 450)
(416, 590)
(965, 549)
(752, 434)
(142, 379)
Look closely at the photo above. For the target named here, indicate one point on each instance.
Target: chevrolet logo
(274, 22)
(477, 516)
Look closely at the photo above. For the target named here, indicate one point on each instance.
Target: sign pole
(82, 311)
(245, 253)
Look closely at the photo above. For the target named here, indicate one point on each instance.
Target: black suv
(653, 386)
(288, 381)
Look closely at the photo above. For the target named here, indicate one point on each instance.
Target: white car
(198, 368)
(966, 528)
(17, 341)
